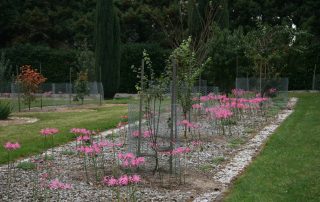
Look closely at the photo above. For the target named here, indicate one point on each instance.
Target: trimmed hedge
(56, 63)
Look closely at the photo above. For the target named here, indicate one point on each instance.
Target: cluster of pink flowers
(84, 138)
(204, 99)
(109, 144)
(146, 134)
(255, 99)
(211, 96)
(81, 131)
(49, 131)
(187, 124)
(90, 150)
(123, 180)
(129, 160)
(219, 112)
(196, 106)
(177, 151)
(11, 146)
(135, 133)
(56, 184)
(242, 103)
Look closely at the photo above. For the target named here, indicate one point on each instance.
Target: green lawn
(31, 141)
(288, 169)
(62, 102)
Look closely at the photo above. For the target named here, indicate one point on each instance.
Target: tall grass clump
(5, 110)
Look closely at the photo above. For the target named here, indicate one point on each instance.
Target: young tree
(188, 71)
(85, 60)
(30, 80)
(82, 85)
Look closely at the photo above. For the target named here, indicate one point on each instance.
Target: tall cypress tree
(107, 47)
(116, 48)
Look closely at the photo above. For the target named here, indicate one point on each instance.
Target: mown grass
(45, 102)
(31, 141)
(288, 168)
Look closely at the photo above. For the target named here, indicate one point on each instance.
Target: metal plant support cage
(51, 94)
(263, 87)
(162, 123)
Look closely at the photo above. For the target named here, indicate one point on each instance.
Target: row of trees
(58, 24)
(62, 23)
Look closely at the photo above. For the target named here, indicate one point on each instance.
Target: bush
(5, 110)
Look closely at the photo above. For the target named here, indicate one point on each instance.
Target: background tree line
(49, 32)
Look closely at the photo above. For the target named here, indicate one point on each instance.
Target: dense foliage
(47, 31)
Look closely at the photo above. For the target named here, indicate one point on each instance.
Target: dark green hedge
(55, 63)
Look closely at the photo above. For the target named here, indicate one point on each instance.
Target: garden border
(242, 159)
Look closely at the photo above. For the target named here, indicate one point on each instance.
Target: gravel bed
(208, 172)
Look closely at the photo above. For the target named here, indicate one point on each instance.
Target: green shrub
(5, 110)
